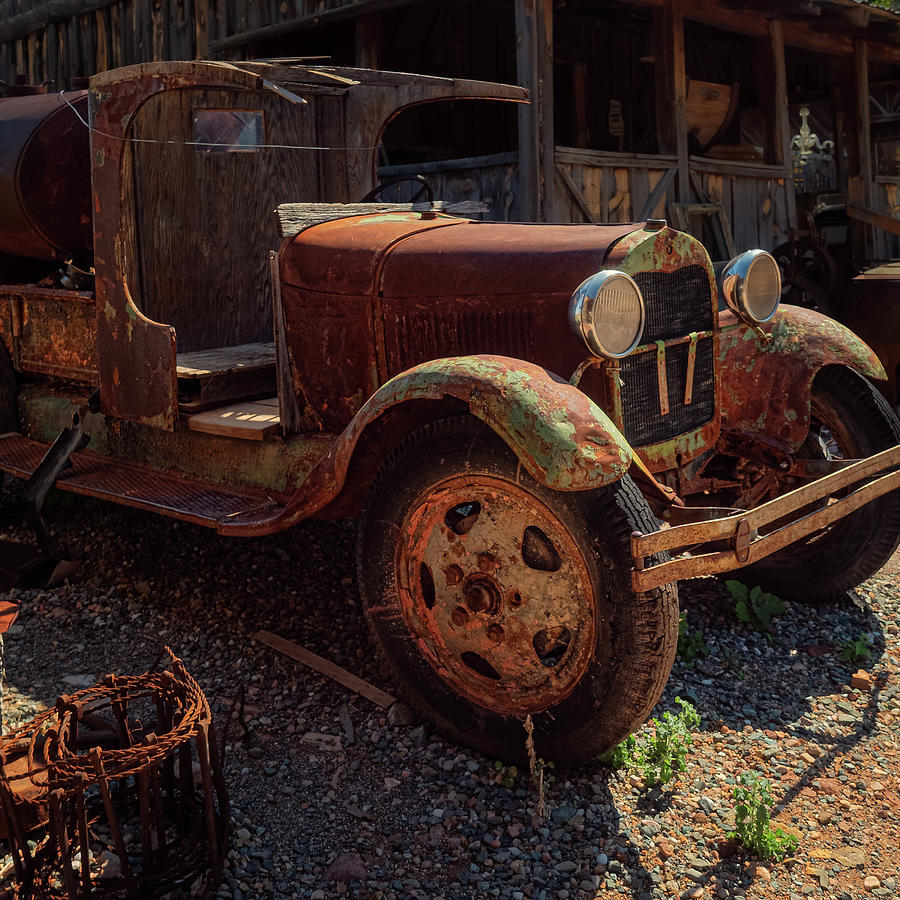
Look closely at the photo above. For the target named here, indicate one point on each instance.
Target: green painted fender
(560, 436)
(766, 379)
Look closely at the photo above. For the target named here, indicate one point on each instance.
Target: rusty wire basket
(124, 781)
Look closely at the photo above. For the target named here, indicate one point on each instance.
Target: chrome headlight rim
(582, 309)
(734, 285)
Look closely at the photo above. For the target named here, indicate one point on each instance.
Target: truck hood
(431, 255)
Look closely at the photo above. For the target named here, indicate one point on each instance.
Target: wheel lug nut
(459, 616)
(486, 562)
(496, 633)
(454, 574)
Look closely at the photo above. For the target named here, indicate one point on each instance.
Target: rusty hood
(437, 255)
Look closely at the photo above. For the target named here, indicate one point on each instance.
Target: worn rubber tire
(635, 636)
(826, 566)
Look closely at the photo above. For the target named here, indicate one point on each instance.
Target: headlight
(751, 285)
(607, 312)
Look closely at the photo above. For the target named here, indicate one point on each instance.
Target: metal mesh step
(129, 484)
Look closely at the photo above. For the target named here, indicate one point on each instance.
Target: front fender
(560, 436)
(766, 381)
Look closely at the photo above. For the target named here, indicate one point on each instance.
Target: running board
(108, 478)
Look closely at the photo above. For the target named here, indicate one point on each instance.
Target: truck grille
(677, 304)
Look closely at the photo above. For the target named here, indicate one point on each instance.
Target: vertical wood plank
(534, 71)
(859, 166)
(201, 28)
(367, 35)
(782, 124)
(671, 81)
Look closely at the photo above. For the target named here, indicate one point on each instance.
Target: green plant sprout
(751, 818)
(755, 606)
(661, 756)
(858, 650)
(505, 775)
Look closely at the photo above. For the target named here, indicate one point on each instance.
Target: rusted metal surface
(189, 499)
(507, 621)
(864, 481)
(45, 198)
(767, 373)
(871, 308)
(120, 753)
(51, 331)
(440, 287)
(560, 436)
(136, 355)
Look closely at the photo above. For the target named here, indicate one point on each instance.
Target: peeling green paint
(560, 435)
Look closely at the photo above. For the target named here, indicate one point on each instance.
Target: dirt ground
(385, 808)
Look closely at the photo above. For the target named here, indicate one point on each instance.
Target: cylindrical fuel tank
(45, 176)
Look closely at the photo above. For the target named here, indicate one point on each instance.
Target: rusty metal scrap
(866, 480)
(134, 755)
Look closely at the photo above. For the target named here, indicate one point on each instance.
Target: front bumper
(795, 515)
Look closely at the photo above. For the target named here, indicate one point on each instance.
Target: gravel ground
(392, 810)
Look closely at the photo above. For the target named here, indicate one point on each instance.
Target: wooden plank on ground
(250, 421)
(326, 667)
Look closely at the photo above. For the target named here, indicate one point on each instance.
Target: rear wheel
(849, 420)
(494, 598)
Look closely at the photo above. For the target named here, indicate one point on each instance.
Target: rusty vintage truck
(512, 411)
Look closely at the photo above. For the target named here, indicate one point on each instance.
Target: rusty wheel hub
(496, 593)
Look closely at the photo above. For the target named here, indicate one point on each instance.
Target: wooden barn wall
(755, 205)
(123, 32)
(612, 188)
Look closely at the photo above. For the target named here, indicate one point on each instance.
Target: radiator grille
(677, 304)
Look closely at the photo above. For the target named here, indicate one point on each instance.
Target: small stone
(762, 873)
(400, 714)
(664, 848)
(391, 783)
(727, 847)
(871, 882)
(861, 680)
(346, 867)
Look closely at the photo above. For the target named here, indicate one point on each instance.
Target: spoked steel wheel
(493, 597)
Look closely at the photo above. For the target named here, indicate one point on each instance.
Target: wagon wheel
(425, 189)
(808, 274)
(494, 598)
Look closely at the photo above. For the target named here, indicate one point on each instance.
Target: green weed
(690, 643)
(505, 775)
(858, 650)
(660, 756)
(755, 606)
(751, 818)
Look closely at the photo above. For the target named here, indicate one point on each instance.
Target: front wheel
(849, 419)
(494, 598)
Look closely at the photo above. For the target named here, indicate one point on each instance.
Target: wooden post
(671, 119)
(368, 41)
(201, 28)
(781, 127)
(534, 70)
(859, 169)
